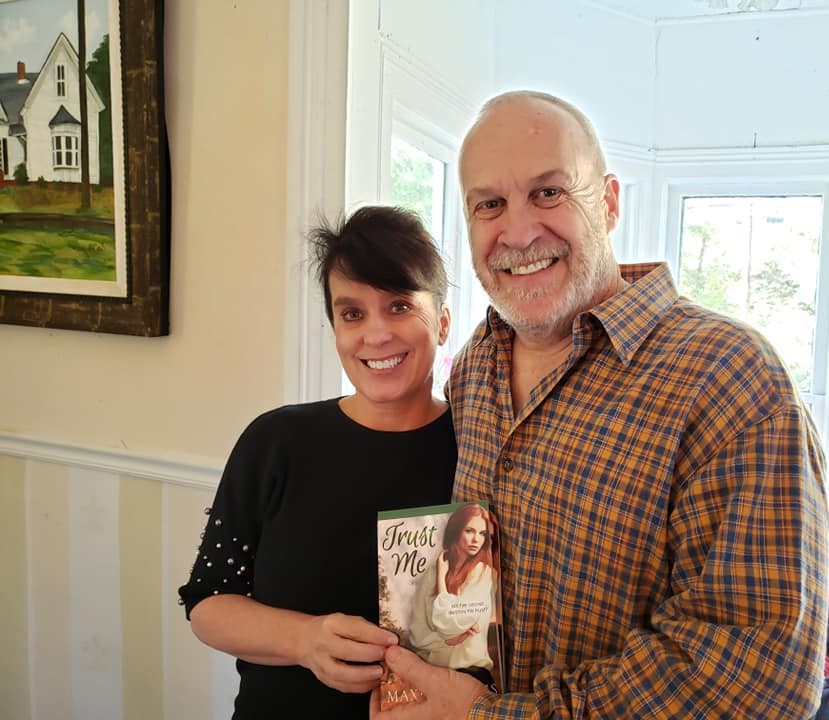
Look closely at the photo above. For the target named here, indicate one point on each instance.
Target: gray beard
(599, 284)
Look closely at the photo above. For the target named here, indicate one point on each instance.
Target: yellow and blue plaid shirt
(663, 516)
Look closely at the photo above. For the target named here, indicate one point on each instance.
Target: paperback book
(439, 586)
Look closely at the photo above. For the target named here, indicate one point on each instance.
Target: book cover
(439, 591)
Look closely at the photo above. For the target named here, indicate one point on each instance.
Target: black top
(294, 523)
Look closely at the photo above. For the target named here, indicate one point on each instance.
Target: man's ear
(611, 201)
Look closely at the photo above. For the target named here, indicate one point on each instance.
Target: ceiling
(654, 10)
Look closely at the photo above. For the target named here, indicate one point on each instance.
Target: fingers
(336, 648)
(410, 666)
(354, 639)
(448, 693)
(349, 678)
(360, 630)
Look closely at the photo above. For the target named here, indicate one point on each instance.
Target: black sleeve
(224, 563)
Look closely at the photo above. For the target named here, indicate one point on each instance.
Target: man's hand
(449, 695)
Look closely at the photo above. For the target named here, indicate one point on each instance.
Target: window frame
(60, 80)
(70, 148)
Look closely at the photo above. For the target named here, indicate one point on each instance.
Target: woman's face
(473, 536)
(386, 341)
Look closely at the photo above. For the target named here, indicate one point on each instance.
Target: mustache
(509, 258)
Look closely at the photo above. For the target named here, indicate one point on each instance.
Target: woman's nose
(377, 331)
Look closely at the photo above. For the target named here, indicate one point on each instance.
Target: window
(757, 257)
(60, 78)
(65, 151)
(417, 183)
(4, 158)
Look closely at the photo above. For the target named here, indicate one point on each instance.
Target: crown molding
(745, 15)
(427, 76)
(629, 151)
(716, 156)
(770, 154)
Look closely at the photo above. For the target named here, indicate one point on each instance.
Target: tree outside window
(756, 258)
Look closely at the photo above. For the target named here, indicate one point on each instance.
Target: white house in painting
(40, 121)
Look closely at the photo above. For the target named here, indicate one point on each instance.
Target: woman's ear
(444, 321)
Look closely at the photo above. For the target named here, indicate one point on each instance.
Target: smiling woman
(301, 616)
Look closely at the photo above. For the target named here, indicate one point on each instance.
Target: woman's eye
(350, 315)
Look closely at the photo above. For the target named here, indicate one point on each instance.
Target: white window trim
(315, 182)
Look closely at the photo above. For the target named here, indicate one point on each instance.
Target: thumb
(408, 665)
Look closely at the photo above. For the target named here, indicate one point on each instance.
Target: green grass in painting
(64, 199)
(66, 253)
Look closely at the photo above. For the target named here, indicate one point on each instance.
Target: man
(658, 482)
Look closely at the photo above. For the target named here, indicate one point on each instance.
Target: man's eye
(489, 208)
(400, 307)
(548, 197)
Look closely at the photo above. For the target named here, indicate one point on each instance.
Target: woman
(286, 576)
(455, 601)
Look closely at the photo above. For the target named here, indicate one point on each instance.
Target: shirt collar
(628, 317)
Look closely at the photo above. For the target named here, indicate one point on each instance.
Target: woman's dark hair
(385, 247)
(460, 565)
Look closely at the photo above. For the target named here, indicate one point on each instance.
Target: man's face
(539, 214)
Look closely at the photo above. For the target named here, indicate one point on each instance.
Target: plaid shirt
(663, 516)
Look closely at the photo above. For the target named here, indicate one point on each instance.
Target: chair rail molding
(189, 472)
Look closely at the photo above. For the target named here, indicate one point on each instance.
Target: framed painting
(84, 166)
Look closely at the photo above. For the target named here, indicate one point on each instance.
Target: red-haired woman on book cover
(454, 603)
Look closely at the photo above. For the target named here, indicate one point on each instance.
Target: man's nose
(520, 229)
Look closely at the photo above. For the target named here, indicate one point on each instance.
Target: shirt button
(508, 464)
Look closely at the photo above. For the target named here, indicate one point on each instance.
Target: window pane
(756, 258)
(417, 183)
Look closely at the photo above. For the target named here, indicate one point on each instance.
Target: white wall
(600, 60)
(452, 39)
(760, 81)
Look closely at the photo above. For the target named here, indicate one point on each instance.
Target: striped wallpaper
(90, 620)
